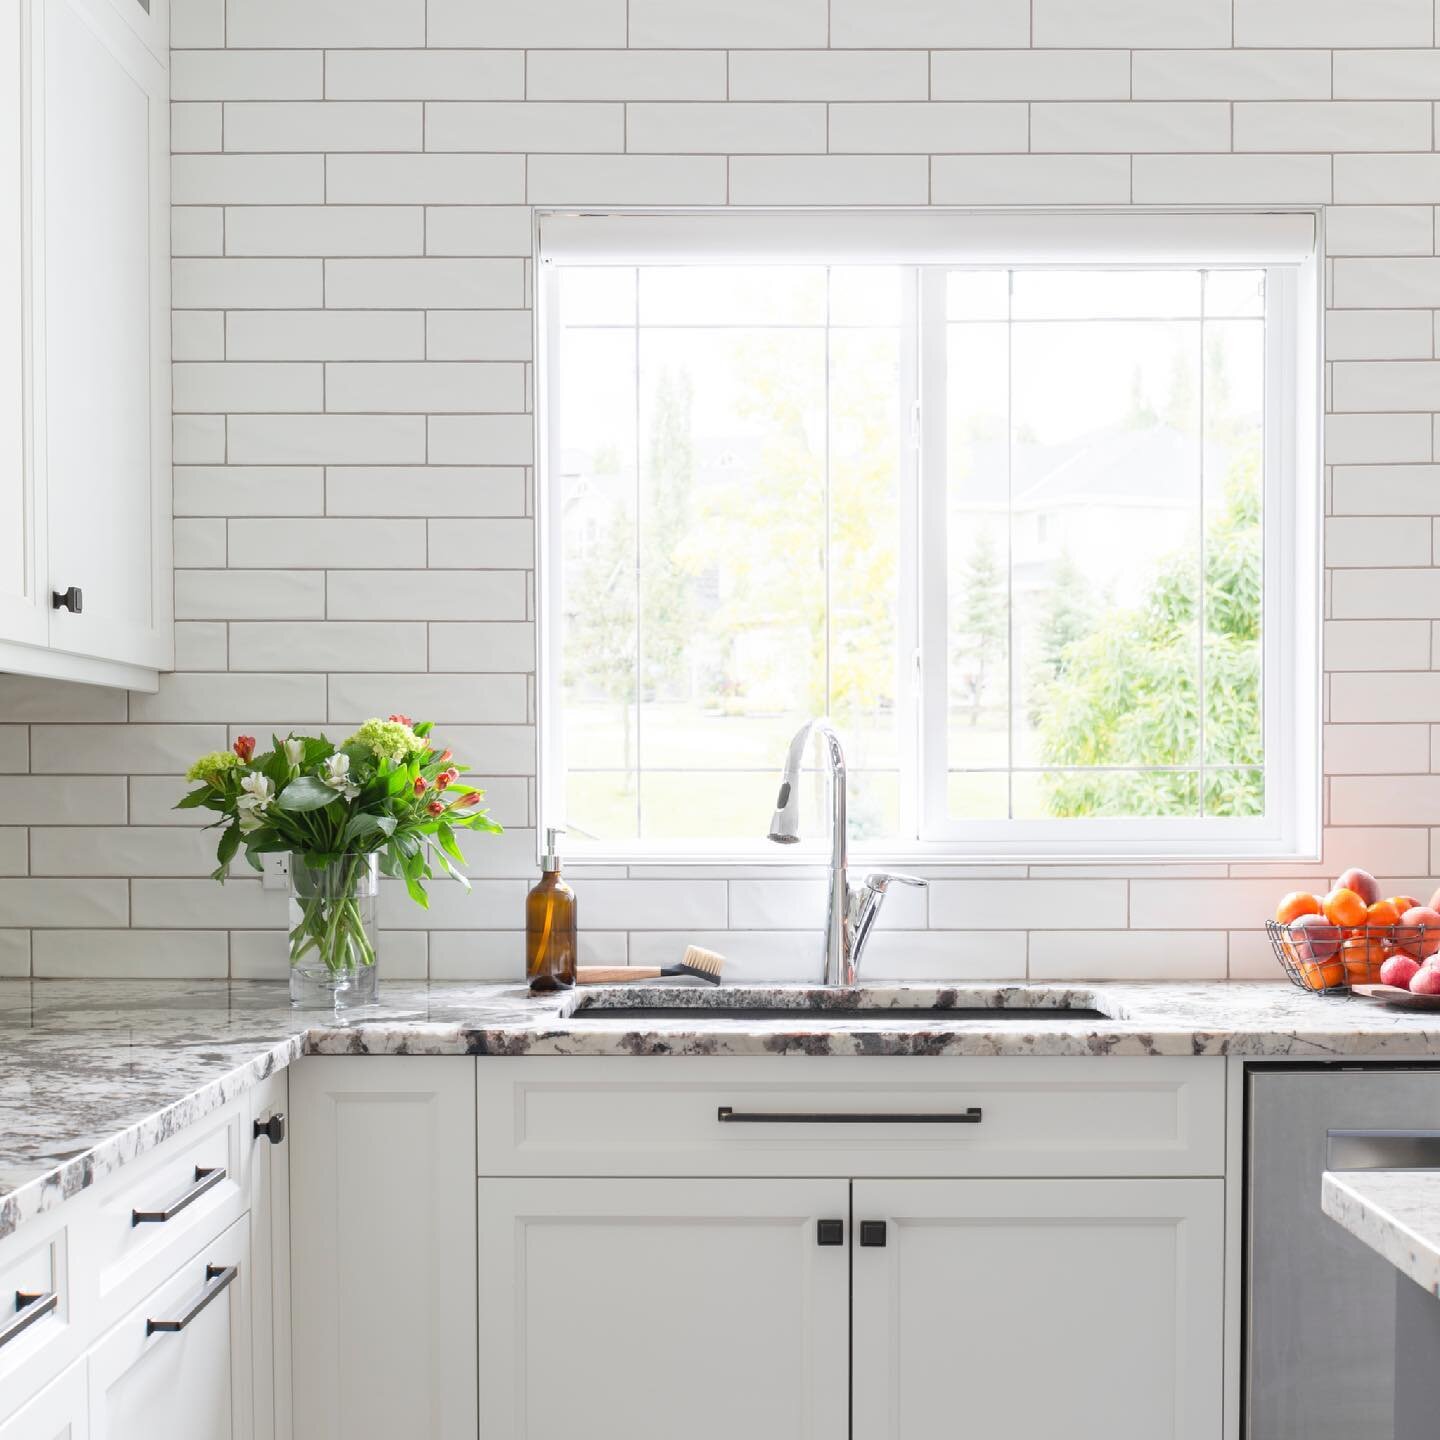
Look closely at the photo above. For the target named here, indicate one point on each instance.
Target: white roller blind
(923, 237)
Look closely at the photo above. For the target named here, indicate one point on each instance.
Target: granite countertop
(93, 1073)
(1395, 1212)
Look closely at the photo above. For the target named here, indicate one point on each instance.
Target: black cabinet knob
(829, 1232)
(872, 1232)
(272, 1129)
(72, 600)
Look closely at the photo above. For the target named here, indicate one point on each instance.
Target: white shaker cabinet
(1085, 1308)
(383, 1299)
(58, 1412)
(179, 1363)
(85, 548)
(646, 1309)
(269, 1191)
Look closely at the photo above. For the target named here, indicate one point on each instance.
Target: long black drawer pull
(217, 1278)
(29, 1307)
(728, 1116)
(204, 1180)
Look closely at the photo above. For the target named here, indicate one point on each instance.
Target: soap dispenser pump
(550, 924)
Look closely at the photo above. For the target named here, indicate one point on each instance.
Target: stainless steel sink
(869, 1004)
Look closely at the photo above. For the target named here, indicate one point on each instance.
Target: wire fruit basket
(1328, 959)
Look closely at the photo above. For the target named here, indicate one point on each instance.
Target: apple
(1433, 899)
(1426, 981)
(1419, 933)
(1399, 970)
(1362, 882)
(1314, 937)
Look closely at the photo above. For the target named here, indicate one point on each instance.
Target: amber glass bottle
(550, 925)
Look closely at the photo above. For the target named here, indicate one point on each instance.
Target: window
(1026, 504)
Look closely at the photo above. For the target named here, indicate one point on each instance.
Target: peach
(1404, 902)
(1399, 970)
(1313, 937)
(1362, 882)
(1425, 981)
(1419, 932)
(1344, 907)
(1433, 901)
(1296, 904)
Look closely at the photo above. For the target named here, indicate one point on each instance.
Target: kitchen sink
(867, 1003)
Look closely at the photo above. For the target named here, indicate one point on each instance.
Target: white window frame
(1286, 243)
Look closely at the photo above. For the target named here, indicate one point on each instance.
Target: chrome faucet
(849, 914)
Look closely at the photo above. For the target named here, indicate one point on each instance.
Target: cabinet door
(269, 1179)
(23, 613)
(649, 1309)
(1084, 1308)
(106, 289)
(192, 1382)
(58, 1412)
(382, 1232)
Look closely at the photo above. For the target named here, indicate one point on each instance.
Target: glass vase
(332, 932)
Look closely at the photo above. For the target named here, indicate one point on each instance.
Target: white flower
(259, 792)
(337, 776)
(295, 752)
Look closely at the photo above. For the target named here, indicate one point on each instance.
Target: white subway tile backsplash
(1156, 24)
(63, 749)
(1379, 230)
(1386, 384)
(412, 284)
(62, 800)
(1377, 645)
(1387, 179)
(1379, 335)
(247, 75)
(625, 180)
(1030, 179)
(478, 335)
(826, 75)
(1232, 179)
(1385, 595)
(456, 490)
(84, 903)
(127, 850)
(194, 127)
(1129, 955)
(424, 74)
(1027, 75)
(428, 387)
(247, 387)
(1387, 74)
(1332, 125)
(196, 230)
(322, 230)
(1130, 126)
(326, 439)
(1334, 22)
(131, 954)
(14, 749)
(829, 180)
(197, 334)
(232, 699)
(325, 645)
(249, 595)
(576, 23)
(938, 128)
(525, 127)
(1377, 439)
(1376, 749)
(335, 543)
(652, 904)
(1028, 904)
(299, 126)
(245, 284)
(424, 179)
(736, 24)
(197, 439)
(253, 24)
(427, 595)
(1406, 281)
(446, 699)
(493, 646)
(247, 179)
(477, 230)
(482, 439)
(205, 905)
(925, 23)
(1385, 489)
(628, 75)
(14, 954)
(325, 334)
(1231, 75)
(480, 544)
(728, 128)
(1359, 698)
(30, 699)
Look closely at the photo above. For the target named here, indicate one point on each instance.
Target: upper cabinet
(85, 552)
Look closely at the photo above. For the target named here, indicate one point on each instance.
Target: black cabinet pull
(272, 1129)
(829, 1232)
(872, 1232)
(204, 1180)
(728, 1116)
(72, 600)
(29, 1307)
(217, 1278)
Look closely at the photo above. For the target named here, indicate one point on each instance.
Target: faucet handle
(879, 882)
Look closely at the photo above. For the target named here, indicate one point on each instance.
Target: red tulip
(420, 785)
(436, 807)
(445, 778)
(468, 798)
(245, 747)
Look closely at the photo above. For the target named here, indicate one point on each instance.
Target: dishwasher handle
(1382, 1150)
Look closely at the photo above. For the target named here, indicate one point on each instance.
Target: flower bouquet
(382, 801)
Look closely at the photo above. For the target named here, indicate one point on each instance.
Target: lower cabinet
(1034, 1308)
(179, 1364)
(643, 1309)
(58, 1412)
(382, 1211)
(648, 1309)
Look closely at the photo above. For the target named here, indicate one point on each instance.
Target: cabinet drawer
(906, 1115)
(150, 1216)
(37, 1333)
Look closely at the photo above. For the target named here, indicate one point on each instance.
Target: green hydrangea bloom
(386, 739)
(213, 766)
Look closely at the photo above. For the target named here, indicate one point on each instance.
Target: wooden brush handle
(614, 974)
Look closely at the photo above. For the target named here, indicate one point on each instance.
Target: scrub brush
(703, 964)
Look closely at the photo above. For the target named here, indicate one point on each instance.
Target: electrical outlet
(276, 874)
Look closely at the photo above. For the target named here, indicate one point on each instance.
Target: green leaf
(305, 792)
(366, 824)
(229, 844)
(446, 838)
(252, 858)
(195, 799)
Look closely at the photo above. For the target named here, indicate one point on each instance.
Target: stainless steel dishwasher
(1319, 1305)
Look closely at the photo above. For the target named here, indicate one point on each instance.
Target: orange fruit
(1296, 904)
(1361, 959)
(1404, 902)
(1323, 974)
(1381, 915)
(1344, 907)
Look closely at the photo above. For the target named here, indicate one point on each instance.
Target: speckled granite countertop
(95, 1073)
(1395, 1212)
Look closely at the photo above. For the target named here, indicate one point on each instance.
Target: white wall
(352, 441)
